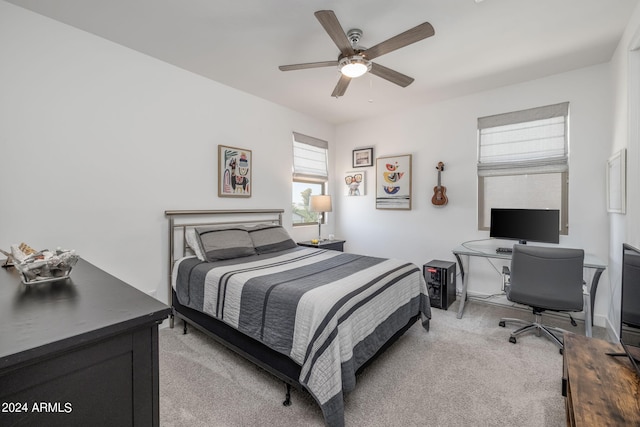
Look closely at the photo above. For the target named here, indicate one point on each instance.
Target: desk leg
(588, 319)
(463, 296)
(594, 288)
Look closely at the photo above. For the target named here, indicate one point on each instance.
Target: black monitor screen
(536, 225)
(630, 307)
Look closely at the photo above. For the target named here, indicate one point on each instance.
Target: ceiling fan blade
(308, 65)
(341, 87)
(332, 26)
(413, 35)
(391, 75)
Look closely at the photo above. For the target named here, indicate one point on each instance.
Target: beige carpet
(464, 372)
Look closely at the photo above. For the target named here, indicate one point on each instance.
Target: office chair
(545, 278)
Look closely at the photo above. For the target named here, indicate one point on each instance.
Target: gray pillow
(270, 238)
(224, 243)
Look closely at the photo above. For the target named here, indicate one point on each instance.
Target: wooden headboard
(181, 220)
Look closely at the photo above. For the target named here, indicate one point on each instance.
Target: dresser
(81, 351)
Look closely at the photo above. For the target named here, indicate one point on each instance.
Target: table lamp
(320, 204)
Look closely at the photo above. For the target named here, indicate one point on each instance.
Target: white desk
(487, 249)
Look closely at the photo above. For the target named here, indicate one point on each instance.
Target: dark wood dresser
(600, 390)
(81, 351)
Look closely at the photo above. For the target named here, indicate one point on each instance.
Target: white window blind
(523, 162)
(524, 142)
(309, 158)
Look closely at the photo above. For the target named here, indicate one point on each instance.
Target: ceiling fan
(354, 61)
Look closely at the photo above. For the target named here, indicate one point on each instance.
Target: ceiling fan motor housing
(354, 35)
(358, 63)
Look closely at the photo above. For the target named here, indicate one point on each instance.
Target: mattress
(328, 311)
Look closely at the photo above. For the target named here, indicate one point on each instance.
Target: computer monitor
(630, 307)
(536, 225)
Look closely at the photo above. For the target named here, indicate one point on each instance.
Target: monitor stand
(623, 355)
(630, 352)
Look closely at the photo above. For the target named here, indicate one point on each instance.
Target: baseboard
(612, 332)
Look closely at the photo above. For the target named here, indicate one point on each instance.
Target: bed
(314, 318)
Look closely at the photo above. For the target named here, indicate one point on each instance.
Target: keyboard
(504, 250)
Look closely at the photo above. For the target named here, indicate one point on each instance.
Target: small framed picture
(363, 157)
(234, 172)
(617, 182)
(355, 183)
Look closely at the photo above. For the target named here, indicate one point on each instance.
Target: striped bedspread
(328, 311)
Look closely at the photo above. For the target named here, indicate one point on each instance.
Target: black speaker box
(441, 282)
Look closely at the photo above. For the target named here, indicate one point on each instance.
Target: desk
(489, 251)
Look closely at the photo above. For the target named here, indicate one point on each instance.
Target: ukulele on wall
(439, 191)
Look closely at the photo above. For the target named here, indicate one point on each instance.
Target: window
(523, 162)
(310, 176)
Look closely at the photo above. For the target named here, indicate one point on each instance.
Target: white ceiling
(240, 43)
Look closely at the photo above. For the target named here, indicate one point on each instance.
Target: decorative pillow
(194, 244)
(269, 238)
(224, 243)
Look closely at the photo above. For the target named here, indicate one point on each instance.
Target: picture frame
(362, 157)
(355, 183)
(393, 182)
(234, 171)
(617, 182)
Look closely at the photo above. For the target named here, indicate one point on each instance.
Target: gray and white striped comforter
(328, 311)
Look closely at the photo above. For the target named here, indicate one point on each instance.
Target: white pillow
(194, 244)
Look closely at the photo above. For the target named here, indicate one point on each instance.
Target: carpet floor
(463, 372)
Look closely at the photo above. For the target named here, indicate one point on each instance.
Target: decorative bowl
(35, 270)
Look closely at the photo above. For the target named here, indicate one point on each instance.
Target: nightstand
(334, 245)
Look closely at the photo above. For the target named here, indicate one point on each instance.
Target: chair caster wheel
(512, 340)
(561, 351)
(501, 323)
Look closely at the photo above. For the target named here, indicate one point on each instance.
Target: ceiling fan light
(354, 66)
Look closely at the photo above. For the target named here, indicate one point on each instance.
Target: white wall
(447, 132)
(97, 141)
(626, 135)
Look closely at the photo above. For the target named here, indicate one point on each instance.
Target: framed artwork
(234, 172)
(362, 157)
(617, 182)
(393, 182)
(354, 183)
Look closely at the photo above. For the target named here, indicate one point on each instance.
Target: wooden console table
(80, 351)
(600, 390)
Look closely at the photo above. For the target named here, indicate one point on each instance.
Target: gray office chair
(544, 278)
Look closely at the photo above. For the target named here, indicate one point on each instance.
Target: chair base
(537, 326)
